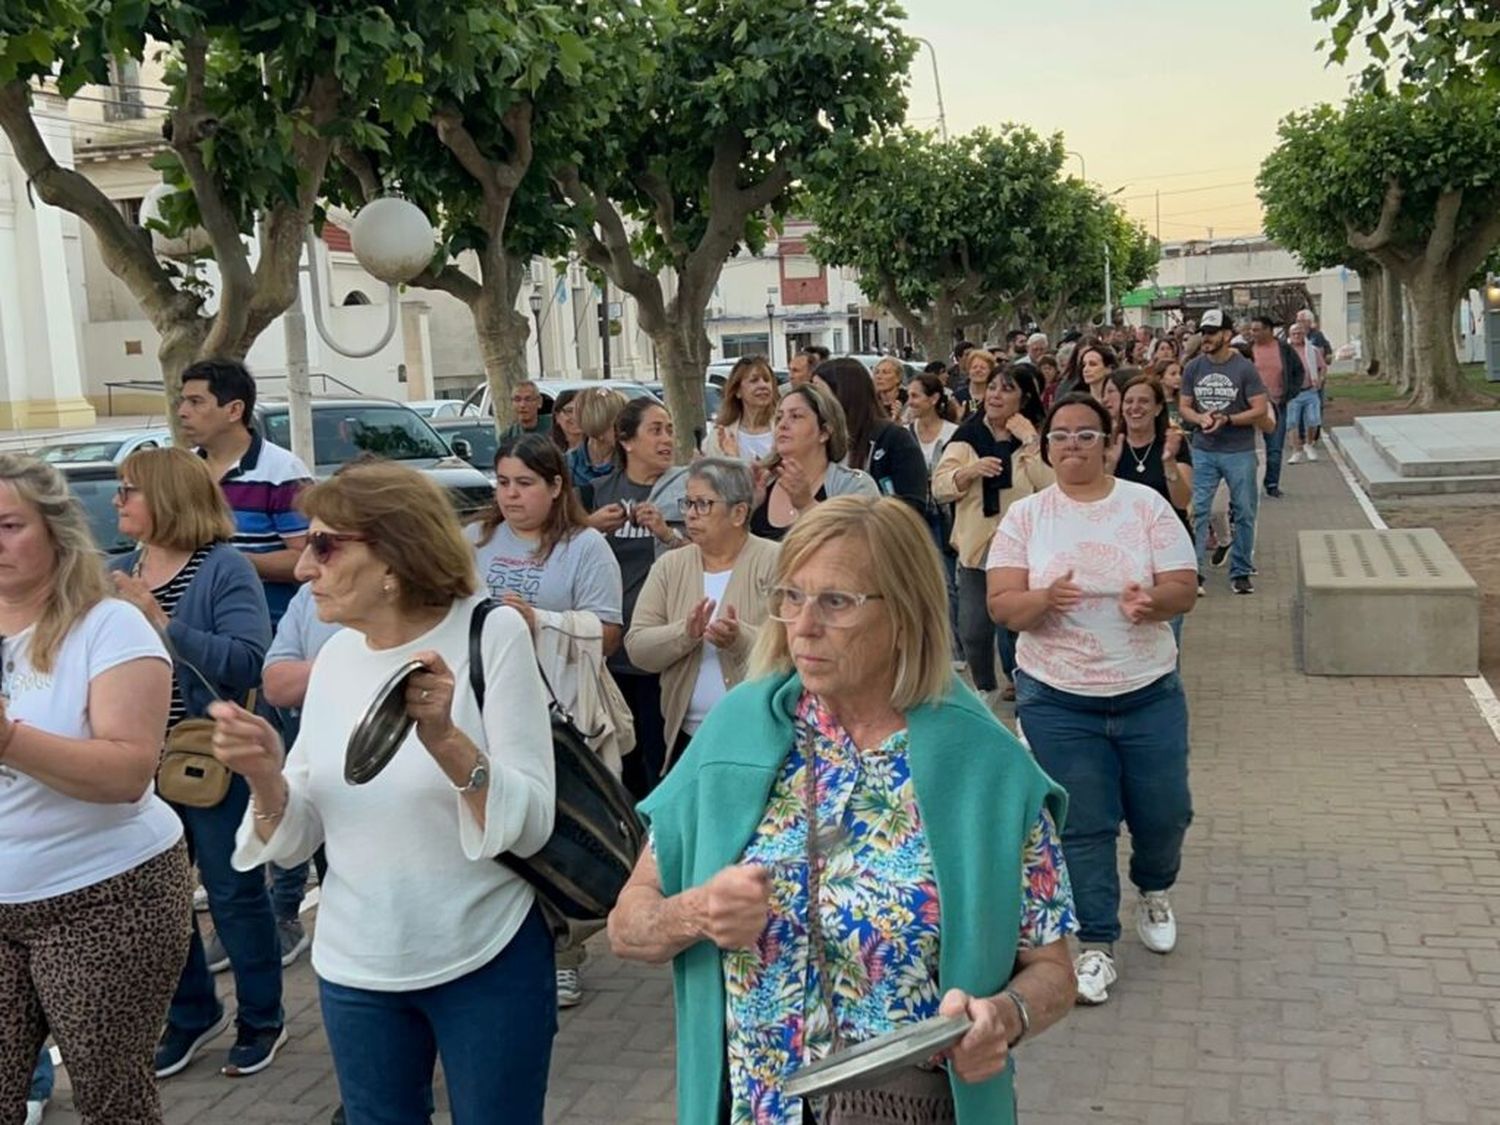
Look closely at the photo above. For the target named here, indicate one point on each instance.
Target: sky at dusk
(1180, 97)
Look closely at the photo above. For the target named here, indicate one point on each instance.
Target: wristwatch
(479, 776)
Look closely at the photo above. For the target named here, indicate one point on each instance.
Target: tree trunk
(503, 333)
(1372, 317)
(682, 351)
(1436, 379)
(1393, 345)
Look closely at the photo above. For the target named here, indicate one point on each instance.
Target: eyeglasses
(1084, 439)
(699, 507)
(125, 491)
(830, 607)
(323, 544)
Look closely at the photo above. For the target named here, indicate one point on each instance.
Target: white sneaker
(1312, 454)
(1095, 970)
(1296, 458)
(1155, 923)
(34, 1111)
(200, 900)
(569, 990)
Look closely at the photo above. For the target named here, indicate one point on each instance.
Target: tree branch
(1476, 248)
(665, 208)
(284, 230)
(890, 297)
(517, 121)
(759, 196)
(1444, 225)
(192, 124)
(1380, 237)
(126, 249)
(451, 280)
(362, 167)
(605, 244)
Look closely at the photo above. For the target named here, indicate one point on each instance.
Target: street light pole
(937, 83)
(536, 315)
(771, 331)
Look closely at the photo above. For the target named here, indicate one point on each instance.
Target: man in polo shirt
(259, 480)
(526, 406)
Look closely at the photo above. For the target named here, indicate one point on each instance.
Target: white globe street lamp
(191, 243)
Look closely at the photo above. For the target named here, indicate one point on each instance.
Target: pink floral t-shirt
(1130, 536)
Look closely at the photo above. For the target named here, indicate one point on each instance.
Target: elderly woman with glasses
(1090, 572)
(205, 598)
(701, 607)
(852, 844)
(423, 946)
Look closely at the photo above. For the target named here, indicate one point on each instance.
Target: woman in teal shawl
(856, 773)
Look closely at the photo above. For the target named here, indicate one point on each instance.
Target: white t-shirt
(709, 687)
(50, 843)
(580, 573)
(756, 447)
(931, 450)
(413, 898)
(1130, 536)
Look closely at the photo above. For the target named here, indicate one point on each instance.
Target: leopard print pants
(96, 968)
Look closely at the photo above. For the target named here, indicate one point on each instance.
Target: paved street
(1339, 959)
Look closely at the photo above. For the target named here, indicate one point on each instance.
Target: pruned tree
(747, 97)
(944, 233)
(515, 93)
(259, 95)
(1410, 181)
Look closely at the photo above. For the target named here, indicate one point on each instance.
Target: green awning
(1142, 298)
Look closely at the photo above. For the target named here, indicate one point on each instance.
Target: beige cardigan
(658, 639)
(972, 529)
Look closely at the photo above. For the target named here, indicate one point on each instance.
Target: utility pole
(937, 83)
(1158, 214)
(604, 319)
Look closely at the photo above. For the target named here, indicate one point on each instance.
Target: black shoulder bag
(597, 834)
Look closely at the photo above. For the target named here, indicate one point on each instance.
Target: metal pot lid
(381, 729)
(865, 1063)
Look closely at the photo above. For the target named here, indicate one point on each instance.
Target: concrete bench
(1385, 603)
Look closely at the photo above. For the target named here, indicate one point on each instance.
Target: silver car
(95, 446)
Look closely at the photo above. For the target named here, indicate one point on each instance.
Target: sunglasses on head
(323, 544)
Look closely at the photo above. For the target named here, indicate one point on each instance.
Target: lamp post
(937, 83)
(1492, 328)
(771, 330)
(536, 314)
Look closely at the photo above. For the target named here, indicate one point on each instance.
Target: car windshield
(97, 498)
(76, 453)
(341, 433)
(482, 442)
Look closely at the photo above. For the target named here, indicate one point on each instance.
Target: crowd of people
(792, 649)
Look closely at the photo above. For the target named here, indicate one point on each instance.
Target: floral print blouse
(879, 912)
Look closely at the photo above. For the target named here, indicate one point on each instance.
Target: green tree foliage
(747, 98)
(1413, 182)
(1428, 42)
(949, 233)
(261, 91)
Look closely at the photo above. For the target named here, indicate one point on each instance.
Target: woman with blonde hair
(204, 597)
(742, 428)
(887, 376)
(979, 368)
(95, 885)
(423, 946)
(595, 410)
(853, 795)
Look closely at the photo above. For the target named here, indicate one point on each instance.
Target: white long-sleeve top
(413, 897)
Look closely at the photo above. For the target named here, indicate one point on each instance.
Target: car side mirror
(462, 448)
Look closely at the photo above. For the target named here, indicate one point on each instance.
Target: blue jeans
(1275, 445)
(1121, 758)
(241, 909)
(288, 885)
(42, 1078)
(1238, 471)
(492, 1028)
(979, 635)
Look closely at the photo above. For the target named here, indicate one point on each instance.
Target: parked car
(479, 398)
(345, 428)
(94, 484)
(473, 439)
(718, 373)
(909, 370)
(101, 445)
(434, 408)
(713, 395)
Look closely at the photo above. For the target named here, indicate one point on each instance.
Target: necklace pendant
(1140, 468)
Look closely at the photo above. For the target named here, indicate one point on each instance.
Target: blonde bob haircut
(408, 524)
(78, 583)
(902, 567)
(595, 410)
(187, 509)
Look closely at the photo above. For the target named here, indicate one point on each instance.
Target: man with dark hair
(805, 362)
(1282, 372)
(1223, 398)
(1016, 344)
(260, 480)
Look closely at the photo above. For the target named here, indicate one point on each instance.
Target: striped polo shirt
(262, 489)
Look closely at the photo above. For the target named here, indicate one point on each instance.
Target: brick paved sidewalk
(1339, 959)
